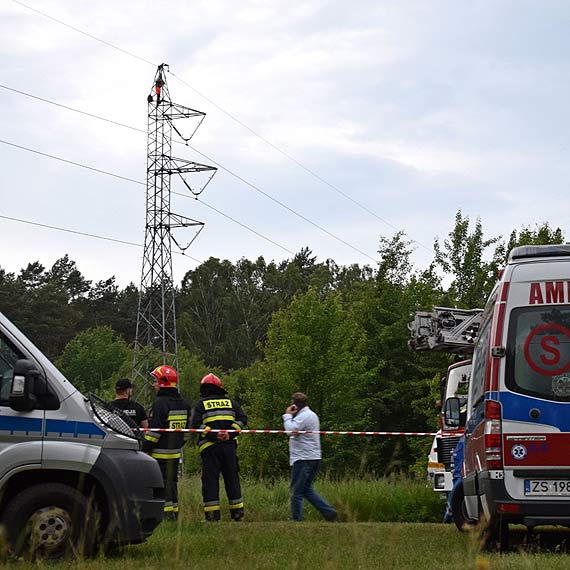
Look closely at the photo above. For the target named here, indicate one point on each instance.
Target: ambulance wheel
(459, 509)
(50, 522)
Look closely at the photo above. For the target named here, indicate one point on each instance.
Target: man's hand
(292, 409)
(223, 436)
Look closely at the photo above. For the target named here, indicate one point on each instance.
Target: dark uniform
(215, 410)
(169, 411)
(132, 409)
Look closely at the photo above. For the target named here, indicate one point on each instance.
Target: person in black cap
(123, 393)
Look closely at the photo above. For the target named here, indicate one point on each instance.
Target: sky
(361, 118)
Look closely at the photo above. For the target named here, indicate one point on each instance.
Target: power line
(72, 162)
(107, 173)
(234, 118)
(220, 166)
(69, 231)
(108, 44)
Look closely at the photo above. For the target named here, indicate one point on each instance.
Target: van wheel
(459, 509)
(50, 522)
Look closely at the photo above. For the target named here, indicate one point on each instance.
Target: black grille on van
(445, 447)
(530, 251)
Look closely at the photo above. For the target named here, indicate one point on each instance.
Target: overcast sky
(413, 109)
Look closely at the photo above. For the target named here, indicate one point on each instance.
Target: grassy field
(266, 540)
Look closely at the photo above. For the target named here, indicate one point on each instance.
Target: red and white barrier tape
(289, 432)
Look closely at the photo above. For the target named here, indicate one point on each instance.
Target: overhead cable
(231, 116)
(140, 183)
(210, 159)
(67, 230)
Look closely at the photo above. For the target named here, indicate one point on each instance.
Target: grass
(267, 541)
(357, 500)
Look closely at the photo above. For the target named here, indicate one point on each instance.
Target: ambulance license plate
(547, 487)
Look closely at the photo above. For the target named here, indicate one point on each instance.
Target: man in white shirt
(304, 457)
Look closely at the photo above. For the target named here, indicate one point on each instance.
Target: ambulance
(72, 477)
(517, 439)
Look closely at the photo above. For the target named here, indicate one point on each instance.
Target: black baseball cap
(123, 384)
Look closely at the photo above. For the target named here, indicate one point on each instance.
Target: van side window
(480, 358)
(9, 354)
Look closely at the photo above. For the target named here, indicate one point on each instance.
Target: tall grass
(357, 500)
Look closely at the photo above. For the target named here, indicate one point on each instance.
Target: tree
(462, 257)
(316, 347)
(543, 234)
(93, 359)
(64, 273)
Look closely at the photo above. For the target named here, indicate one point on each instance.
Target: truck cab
(517, 466)
(72, 476)
(455, 386)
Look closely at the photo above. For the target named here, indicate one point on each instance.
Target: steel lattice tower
(156, 341)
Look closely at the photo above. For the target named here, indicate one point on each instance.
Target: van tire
(52, 521)
(459, 509)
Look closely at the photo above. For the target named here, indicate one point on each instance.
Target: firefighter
(169, 411)
(218, 451)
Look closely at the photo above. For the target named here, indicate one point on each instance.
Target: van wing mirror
(22, 397)
(452, 412)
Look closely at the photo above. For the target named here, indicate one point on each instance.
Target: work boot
(237, 514)
(212, 516)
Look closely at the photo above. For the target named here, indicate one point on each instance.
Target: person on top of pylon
(218, 451)
(168, 411)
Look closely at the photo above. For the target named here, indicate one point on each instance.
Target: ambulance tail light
(493, 441)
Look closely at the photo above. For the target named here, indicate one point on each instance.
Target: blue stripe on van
(74, 429)
(517, 407)
(54, 428)
(21, 424)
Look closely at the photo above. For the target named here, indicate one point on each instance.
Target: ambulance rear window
(538, 352)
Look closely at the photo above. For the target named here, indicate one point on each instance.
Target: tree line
(337, 333)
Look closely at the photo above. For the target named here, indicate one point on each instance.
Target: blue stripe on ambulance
(54, 428)
(517, 407)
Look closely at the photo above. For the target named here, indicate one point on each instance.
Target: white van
(72, 478)
(517, 438)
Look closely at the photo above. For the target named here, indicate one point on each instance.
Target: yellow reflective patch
(206, 445)
(215, 404)
(210, 509)
(177, 424)
(238, 506)
(166, 455)
(217, 418)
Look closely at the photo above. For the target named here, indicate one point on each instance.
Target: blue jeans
(302, 476)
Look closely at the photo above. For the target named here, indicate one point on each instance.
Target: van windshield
(538, 352)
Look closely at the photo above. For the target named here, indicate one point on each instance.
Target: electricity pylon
(156, 341)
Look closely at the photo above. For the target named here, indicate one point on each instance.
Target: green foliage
(463, 259)
(316, 347)
(93, 360)
(543, 234)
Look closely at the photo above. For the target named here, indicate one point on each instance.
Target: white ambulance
(517, 439)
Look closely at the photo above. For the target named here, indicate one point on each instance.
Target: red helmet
(211, 379)
(166, 375)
